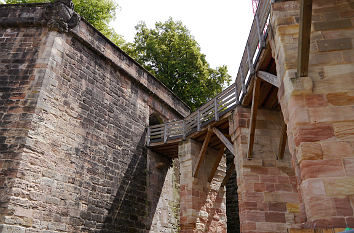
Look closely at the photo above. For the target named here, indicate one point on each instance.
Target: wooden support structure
(216, 164)
(228, 174)
(269, 78)
(224, 140)
(202, 152)
(252, 128)
(304, 38)
(283, 139)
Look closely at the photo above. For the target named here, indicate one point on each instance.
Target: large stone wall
(267, 192)
(319, 109)
(74, 110)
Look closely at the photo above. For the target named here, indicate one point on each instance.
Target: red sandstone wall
(319, 109)
(202, 203)
(267, 190)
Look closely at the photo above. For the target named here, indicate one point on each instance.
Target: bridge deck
(164, 138)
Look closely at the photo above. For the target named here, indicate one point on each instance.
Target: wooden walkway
(171, 133)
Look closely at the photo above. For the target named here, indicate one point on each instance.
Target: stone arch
(155, 119)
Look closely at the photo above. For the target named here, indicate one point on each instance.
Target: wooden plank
(202, 153)
(304, 38)
(282, 143)
(228, 174)
(216, 163)
(224, 140)
(252, 128)
(269, 78)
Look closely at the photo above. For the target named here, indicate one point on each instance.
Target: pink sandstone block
(321, 168)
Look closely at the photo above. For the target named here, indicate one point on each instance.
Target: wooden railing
(227, 99)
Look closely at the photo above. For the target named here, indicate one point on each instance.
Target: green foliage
(171, 53)
(99, 13)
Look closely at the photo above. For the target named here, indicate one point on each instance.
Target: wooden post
(202, 152)
(250, 62)
(198, 120)
(165, 136)
(148, 136)
(252, 128)
(304, 38)
(243, 85)
(259, 30)
(184, 129)
(282, 143)
(237, 95)
(216, 114)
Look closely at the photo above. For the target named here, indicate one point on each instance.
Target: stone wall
(319, 109)
(202, 203)
(267, 191)
(74, 110)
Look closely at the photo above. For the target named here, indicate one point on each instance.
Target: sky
(220, 27)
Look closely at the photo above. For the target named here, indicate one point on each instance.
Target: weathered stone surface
(73, 157)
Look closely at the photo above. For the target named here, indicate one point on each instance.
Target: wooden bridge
(213, 116)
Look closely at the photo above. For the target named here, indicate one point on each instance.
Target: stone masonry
(203, 207)
(319, 109)
(73, 114)
(267, 191)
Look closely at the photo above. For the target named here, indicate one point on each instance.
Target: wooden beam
(304, 38)
(252, 128)
(228, 174)
(224, 140)
(282, 143)
(216, 164)
(269, 78)
(202, 152)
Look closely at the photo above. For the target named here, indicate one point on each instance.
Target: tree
(99, 13)
(171, 53)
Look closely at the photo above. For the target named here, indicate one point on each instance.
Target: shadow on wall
(133, 209)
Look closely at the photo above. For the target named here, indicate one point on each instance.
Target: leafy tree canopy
(171, 53)
(99, 13)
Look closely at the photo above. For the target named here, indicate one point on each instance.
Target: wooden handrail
(228, 99)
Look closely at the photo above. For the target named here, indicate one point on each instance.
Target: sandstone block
(344, 130)
(334, 44)
(321, 168)
(343, 206)
(274, 217)
(292, 207)
(313, 187)
(336, 149)
(341, 98)
(331, 114)
(335, 24)
(312, 133)
(349, 166)
(342, 186)
(309, 151)
(315, 100)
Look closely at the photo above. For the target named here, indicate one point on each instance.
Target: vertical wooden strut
(216, 164)
(304, 38)
(202, 152)
(282, 143)
(252, 127)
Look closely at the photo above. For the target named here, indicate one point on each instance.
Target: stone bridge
(91, 142)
